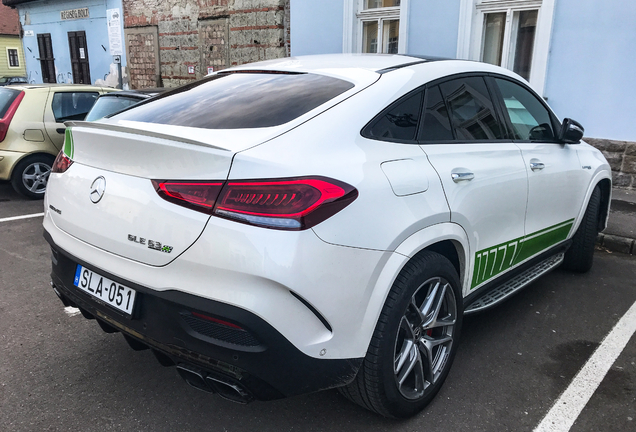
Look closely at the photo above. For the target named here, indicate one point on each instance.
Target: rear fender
(415, 243)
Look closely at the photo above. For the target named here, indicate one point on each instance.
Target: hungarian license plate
(110, 292)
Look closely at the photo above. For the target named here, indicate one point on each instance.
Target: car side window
(398, 122)
(530, 119)
(472, 112)
(436, 123)
(72, 105)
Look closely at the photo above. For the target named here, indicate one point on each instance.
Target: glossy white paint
(407, 176)
(491, 207)
(344, 266)
(555, 194)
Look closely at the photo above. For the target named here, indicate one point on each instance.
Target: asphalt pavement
(59, 371)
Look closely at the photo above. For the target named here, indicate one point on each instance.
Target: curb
(613, 243)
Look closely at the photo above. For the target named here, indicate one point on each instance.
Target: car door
(64, 106)
(556, 181)
(482, 172)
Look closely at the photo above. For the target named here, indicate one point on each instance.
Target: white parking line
(34, 215)
(568, 407)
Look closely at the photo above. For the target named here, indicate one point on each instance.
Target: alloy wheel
(35, 177)
(425, 337)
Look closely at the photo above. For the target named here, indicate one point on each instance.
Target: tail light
(8, 116)
(199, 196)
(289, 204)
(64, 158)
(61, 163)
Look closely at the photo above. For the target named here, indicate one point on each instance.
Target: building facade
(173, 42)
(73, 41)
(11, 53)
(577, 54)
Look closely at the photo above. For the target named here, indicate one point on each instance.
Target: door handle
(462, 176)
(60, 130)
(537, 166)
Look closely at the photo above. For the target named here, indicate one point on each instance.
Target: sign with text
(73, 14)
(114, 31)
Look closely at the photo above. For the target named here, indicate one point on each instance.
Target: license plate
(110, 292)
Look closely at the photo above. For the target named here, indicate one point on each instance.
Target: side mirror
(571, 132)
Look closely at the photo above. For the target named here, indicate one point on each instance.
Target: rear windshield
(109, 105)
(7, 96)
(239, 100)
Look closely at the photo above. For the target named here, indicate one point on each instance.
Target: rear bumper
(258, 360)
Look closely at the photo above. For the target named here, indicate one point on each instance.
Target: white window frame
(471, 29)
(9, 59)
(355, 16)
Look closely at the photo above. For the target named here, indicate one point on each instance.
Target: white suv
(317, 222)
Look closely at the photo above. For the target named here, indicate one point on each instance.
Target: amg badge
(152, 244)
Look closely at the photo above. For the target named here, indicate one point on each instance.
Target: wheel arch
(448, 239)
(605, 186)
(26, 156)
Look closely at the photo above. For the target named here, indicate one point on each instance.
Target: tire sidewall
(436, 266)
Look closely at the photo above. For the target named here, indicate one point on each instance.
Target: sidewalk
(620, 235)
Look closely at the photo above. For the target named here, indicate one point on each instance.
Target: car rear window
(7, 96)
(107, 105)
(239, 100)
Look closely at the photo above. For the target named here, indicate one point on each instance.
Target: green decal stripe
(68, 148)
(497, 259)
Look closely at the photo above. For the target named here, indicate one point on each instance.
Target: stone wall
(621, 156)
(194, 35)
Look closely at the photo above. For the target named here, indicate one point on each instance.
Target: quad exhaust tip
(225, 387)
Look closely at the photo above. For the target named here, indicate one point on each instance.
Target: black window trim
(553, 118)
(495, 98)
(507, 138)
(365, 129)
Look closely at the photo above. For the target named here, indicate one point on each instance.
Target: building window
(12, 55)
(375, 26)
(508, 39)
(514, 34)
(380, 21)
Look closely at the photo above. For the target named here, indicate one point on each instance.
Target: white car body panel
(130, 206)
(554, 192)
(490, 210)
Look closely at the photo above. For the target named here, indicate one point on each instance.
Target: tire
(31, 175)
(396, 379)
(580, 255)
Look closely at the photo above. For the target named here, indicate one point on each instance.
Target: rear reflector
(290, 204)
(216, 320)
(62, 163)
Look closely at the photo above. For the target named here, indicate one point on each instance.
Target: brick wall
(621, 156)
(142, 60)
(209, 33)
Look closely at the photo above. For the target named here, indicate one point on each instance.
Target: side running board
(500, 293)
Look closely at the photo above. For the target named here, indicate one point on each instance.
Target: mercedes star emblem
(97, 189)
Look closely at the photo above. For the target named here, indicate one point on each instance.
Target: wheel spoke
(413, 357)
(427, 362)
(401, 358)
(426, 307)
(34, 186)
(436, 306)
(28, 176)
